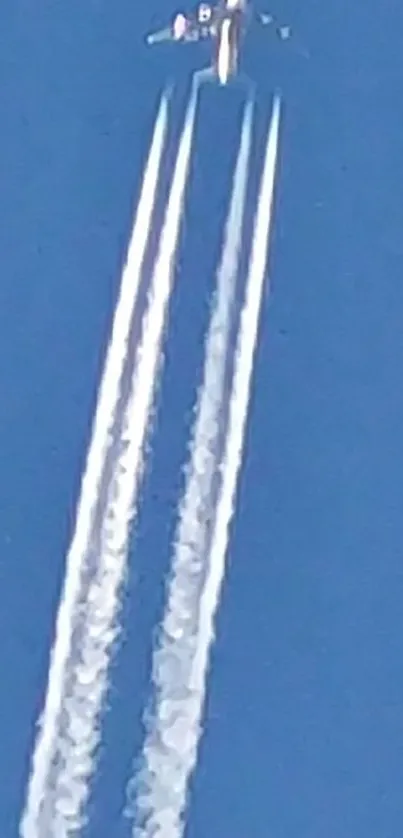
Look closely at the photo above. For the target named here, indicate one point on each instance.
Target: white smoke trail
(48, 750)
(171, 745)
(239, 403)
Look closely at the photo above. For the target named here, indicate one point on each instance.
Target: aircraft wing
(182, 29)
(160, 36)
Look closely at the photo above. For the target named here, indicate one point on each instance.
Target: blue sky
(304, 724)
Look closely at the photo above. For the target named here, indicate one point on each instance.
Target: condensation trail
(99, 628)
(149, 352)
(170, 750)
(239, 403)
(49, 750)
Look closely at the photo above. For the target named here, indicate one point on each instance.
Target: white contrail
(99, 628)
(102, 605)
(239, 403)
(171, 744)
(48, 751)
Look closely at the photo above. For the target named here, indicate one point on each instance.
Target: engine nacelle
(204, 13)
(179, 26)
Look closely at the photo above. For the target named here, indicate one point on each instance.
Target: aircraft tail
(208, 75)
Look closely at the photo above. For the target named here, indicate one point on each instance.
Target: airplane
(225, 24)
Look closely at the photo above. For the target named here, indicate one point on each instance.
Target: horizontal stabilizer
(284, 32)
(266, 19)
